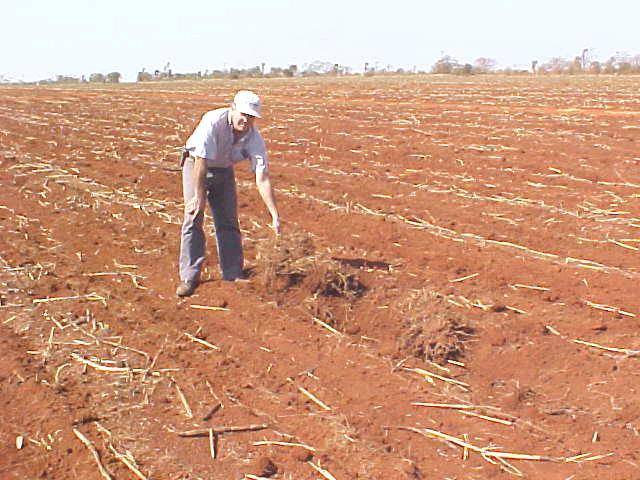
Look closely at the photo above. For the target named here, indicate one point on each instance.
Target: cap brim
(250, 111)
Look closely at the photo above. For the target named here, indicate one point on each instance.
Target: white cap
(248, 103)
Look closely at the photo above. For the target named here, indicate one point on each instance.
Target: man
(222, 138)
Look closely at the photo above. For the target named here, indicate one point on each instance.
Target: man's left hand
(275, 225)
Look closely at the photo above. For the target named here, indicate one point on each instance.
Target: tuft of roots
(293, 260)
(328, 287)
(286, 261)
(431, 332)
(334, 281)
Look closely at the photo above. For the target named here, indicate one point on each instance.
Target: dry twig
(201, 341)
(311, 396)
(187, 409)
(427, 432)
(131, 465)
(462, 279)
(208, 307)
(321, 471)
(429, 375)
(89, 296)
(285, 444)
(204, 432)
(87, 443)
(625, 351)
(609, 308)
(327, 326)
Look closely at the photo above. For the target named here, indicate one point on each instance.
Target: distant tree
(575, 67)
(253, 72)
(446, 64)
(624, 67)
(484, 65)
(318, 67)
(97, 78)
(624, 63)
(610, 65)
(144, 76)
(113, 77)
(292, 71)
(466, 69)
(556, 65)
(595, 67)
(66, 79)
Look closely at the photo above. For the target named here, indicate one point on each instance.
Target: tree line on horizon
(619, 64)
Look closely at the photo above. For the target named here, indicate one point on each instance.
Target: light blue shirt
(213, 140)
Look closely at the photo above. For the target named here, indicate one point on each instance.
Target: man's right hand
(196, 204)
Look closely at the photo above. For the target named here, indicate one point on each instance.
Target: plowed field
(455, 294)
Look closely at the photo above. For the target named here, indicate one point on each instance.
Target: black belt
(184, 154)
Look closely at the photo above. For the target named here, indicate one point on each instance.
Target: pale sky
(42, 38)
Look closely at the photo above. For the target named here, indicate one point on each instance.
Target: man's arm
(197, 203)
(263, 182)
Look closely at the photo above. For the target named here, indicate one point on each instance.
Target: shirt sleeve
(257, 153)
(202, 142)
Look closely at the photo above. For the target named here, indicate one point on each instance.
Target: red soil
(478, 229)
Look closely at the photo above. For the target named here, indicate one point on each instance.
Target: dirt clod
(265, 467)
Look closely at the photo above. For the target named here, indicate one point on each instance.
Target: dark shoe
(240, 278)
(234, 278)
(186, 289)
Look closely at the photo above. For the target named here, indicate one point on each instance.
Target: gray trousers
(221, 196)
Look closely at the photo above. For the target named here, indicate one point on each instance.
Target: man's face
(241, 121)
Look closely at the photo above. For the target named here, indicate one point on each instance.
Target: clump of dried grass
(335, 281)
(293, 260)
(325, 287)
(286, 261)
(431, 332)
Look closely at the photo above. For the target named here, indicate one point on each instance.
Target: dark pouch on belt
(184, 154)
